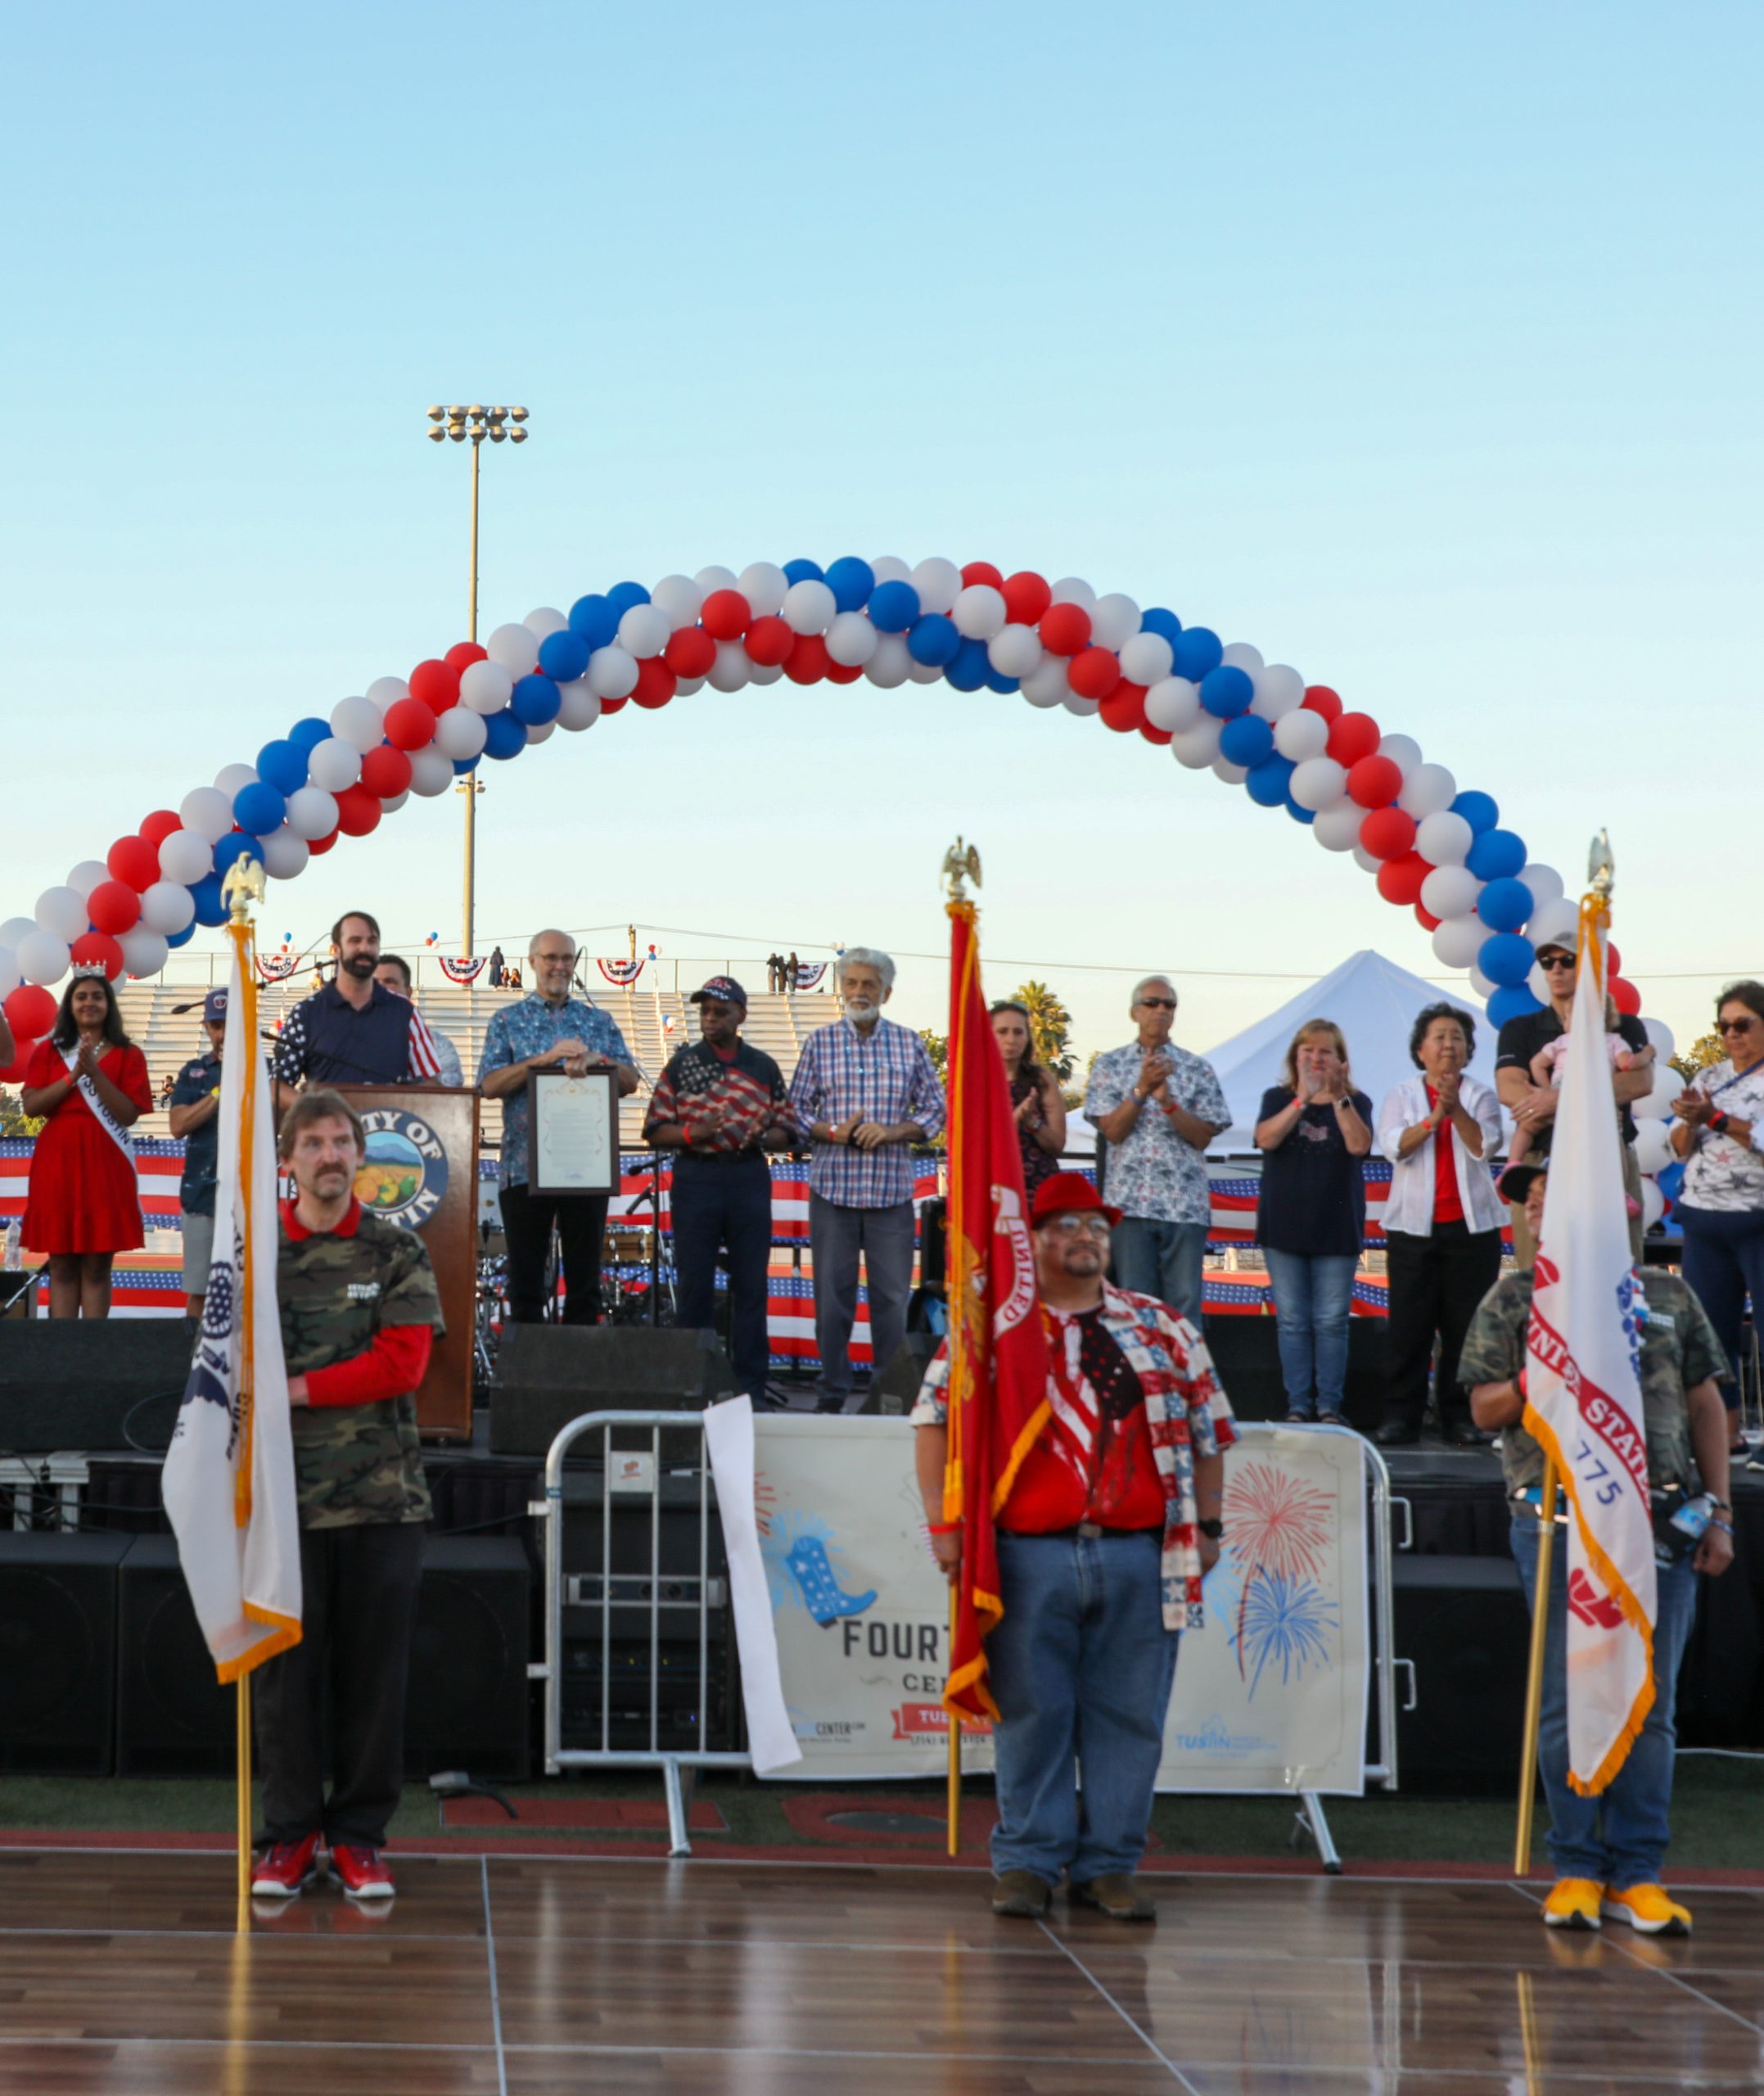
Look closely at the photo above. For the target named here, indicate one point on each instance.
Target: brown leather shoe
(1021, 1895)
(1118, 1895)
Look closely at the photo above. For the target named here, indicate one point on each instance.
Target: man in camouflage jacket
(359, 1313)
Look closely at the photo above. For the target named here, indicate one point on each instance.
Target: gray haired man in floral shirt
(1156, 1108)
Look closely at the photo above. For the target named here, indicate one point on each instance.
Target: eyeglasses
(1735, 1025)
(1158, 1003)
(1552, 961)
(1086, 1222)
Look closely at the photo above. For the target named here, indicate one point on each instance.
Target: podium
(421, 1170)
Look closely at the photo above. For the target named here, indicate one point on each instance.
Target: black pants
(1436, 1284)
(358, 1588)
(718, 1204)
(581, 1220)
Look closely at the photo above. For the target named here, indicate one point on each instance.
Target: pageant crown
(84, 967)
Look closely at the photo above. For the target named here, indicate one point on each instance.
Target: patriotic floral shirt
(1187, 1414)
(1152, 1172)
(529, 1028)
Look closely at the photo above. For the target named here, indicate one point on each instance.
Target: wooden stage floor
(120, 1973)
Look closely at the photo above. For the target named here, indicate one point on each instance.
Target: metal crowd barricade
(628, 1591)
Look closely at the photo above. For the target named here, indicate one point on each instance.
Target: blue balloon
(1226, 693)
(1158, 620)
(1267, 782)
(503, 735)
(1478, 809)
(1496, 854)
(464, 763)
(259, 809)
(595, 619)
(996, 680)
(625, 596)
(1671, 1179)
(852, 581)
(1299, 813)
(968, 666)
(1504, 904)
(536, 700)
(933, 639)
(1513, 1000)
(563, 656)
(1506, 959)
(1197, 649)
(802, 571)
(282, 767)
(1248, 740)
(209, 908)
(182, 938)
(306, 736)
(893, 606)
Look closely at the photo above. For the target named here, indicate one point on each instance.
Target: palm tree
(1049, 1028)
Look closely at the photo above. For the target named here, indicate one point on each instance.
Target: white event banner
(1271, 1696)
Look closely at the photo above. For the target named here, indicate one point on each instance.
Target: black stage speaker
(1463, 1623)
(469, 1698)
(80, 1383)
(894, 1391)
(550, 1374)
(58, 1651)
(1246, 1353)
(173, 1717)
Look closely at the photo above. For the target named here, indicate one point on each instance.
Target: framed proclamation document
(573, 1133)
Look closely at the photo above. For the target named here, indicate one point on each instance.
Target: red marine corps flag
(998, 1389)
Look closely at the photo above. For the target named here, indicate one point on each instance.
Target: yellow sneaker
(1573, 1904)
(1646, 1909)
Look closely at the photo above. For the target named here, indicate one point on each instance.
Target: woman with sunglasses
(1719, 1132)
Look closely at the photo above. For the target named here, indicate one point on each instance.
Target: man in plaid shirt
(865, 1090)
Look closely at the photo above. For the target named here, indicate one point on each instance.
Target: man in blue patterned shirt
(549, 1030)
(1156, 1108)
(865, 1090)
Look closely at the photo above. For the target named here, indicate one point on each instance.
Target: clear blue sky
(1418, 346)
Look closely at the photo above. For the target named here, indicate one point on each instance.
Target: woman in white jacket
(1442, 1224)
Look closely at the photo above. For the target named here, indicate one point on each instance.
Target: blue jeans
(1081, 1667)
(1161, 1259)
(1724, 1258)
(1618, 1839)
(1313, 1300)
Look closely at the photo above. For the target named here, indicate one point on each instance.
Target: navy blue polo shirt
(195, 1081)
(328, 1040)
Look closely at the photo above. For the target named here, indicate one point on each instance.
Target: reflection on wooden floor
(120, 1973)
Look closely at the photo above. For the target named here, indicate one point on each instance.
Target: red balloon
(612, 705)
(1065, 629)
(1374, 782)
(409, 725)
(30, 1009)
(1353, 736)
(691, 651)
(1400, 879)
(14, 1072)
(318, 846)
(726, 614)
(654, 684)
(770, 641)
(1320, 699)
(98, 950)
(132, 860)
(1094, 672)
(1124, 709)
(157, 827)
(1613, 961)
(844, 673)
(462, 654)
(1161, 736)
(357, 811)
(435, 683)
(1387, 832)
(1026, 596)
(386, 771)
(1626, 996)
(114, 906)
(1425, 917)
(808, 660)
(981, 571)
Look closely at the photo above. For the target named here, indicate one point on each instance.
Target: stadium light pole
(473, 424)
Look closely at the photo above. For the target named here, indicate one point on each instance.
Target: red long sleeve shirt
(397, 1361)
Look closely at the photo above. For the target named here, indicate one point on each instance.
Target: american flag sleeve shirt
(1187, 1413)
(885, 1075)
(747, 1093)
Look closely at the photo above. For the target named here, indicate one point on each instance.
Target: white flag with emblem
(1583, 1394)
(228, 1483)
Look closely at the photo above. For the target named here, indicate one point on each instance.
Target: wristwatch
(1213, 1529)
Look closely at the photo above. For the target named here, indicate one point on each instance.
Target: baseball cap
(214, 1007)
(1516, 1182)
(725, 988)
(1070, 1193)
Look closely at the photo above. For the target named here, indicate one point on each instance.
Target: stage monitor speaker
(58, 1652)
(1463, 1623)
(88, 1383)
(894, 1391)
(173, 1717)
(469, 1700)
(548, 1374)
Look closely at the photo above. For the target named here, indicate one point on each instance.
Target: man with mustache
(354, 1031)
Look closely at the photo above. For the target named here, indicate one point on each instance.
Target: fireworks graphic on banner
(1286, 1623)
(1278, 1531)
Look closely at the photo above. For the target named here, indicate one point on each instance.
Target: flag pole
(1534, 1679)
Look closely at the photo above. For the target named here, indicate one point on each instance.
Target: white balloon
(543, 731)
(678, 599)
(1146, 659)
(1428, 790)
(358, 722)
(1537, 982)
(167, 906)
(1233, 774)
(14, 930)
(83, 878)
(335, 765)
(1545, 885)
(889, 661)
(1114, 621)
(1074, 590)
(1654, 1147)
(545, 622)
(1015, 651)
(431, 771)
(1337, 828)
(1301, 734)
(939, 583)
(1485, 986)
(1653, 1204)
(1661, 1035)
(459, 732)
(313, 812)
(763, 584)
(514, 648)
(979, 613)
(485, 686)
(580, 708)
(1459, 940)
(644, 631)
(207, 812)
(809, 607)
(684, 688)
(61, 912)
(387, 691)
(766, 673)
(285, 854)
(234, 778)
(612, 672)
(1368, 862)
(1658, 1105)
(1173, 704)
(1443, 838)
(1450, 892)
(1555, 924)
(41, 957)
(1404, 752)
(392, 807)
(732, 667)
(852, 639)
(708, 579)
(925, 673)
(1279, 691)
(1046, 684)
(1239, 655)
(1318, 783)
(10, 976)
(1196, 746)
(887, 567)
(185, 856)
(1084, 709)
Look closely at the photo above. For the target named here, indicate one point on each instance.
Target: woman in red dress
(91, 1082)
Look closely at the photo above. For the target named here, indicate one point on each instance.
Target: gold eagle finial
(243, 884)
(961, 863)
(1601, 866)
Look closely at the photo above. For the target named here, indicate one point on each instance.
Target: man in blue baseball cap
(195, 1105)
(722, 1105)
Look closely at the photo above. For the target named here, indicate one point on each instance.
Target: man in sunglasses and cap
(1110, 1525)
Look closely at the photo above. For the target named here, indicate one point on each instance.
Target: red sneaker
(363, 1875)
(285, 1868)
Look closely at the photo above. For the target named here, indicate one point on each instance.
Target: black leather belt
(1082, 1532)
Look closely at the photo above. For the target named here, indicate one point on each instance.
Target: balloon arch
(1292, 747)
